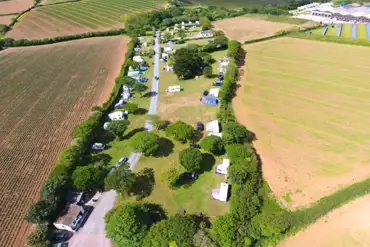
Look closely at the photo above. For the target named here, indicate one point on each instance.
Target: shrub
(170, 176)
(38, 237)
(130, 107)
(213, 144)
(180, 131)
(208, 71)
(122, 180)
(191, 159)
(160, 124)
(118, 128)
(235, 133)
(146, 142)
(88, 178)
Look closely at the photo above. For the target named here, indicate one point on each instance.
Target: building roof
(70, 216)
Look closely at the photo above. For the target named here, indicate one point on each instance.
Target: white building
(117, 115)
(222, 168)
(221, 193)
(71, 220)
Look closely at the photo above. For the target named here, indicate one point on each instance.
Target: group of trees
(187, 63)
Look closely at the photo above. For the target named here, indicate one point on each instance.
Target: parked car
(200, 126)
(121, 161)
(194, 145)
(205, 93)
(143, 80)
(98, 146)
(60, 236)
(190, 175)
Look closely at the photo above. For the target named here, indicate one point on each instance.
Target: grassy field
(235, 3)
(277, 18)
(361, 32)
(78, 17)
(45, 92)
(307, 103)
(246, 28)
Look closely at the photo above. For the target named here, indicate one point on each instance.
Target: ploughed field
(78, 17)
(308, 102)
(45, 92)
(14, 6)
(235, 3)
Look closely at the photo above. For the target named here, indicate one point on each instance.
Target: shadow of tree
(184, 182)
(133, 132)
(156, 211)
(165, 147)
(144, 183)
(140, 111)
(149, 94)
(207, 163)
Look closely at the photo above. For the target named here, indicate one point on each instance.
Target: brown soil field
(15, 6)
(45, 92)
(308, 108)
(244, 28)
(6, 20)
(347, 226)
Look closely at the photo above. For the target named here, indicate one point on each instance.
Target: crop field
(6, 19)
(235, 3)
(78, 17)
(346, 33)
(346, 226)
(45, 92)
(14, 6)
(308, 104)
(244, 28)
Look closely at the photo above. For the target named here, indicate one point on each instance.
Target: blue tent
(210, 101)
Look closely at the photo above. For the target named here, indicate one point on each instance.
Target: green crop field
(361, 32)
(308, 103)
(235, 3)
(78, 17)
(45, 92)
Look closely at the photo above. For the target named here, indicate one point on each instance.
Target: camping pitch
(209, 101)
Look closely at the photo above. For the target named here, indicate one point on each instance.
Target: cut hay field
(14, 6)
(245, 28)
(45, 92)
(78, 17)
(308, 103)
(346, 226)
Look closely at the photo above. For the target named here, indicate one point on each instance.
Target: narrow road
(154, 99)
(93, 232)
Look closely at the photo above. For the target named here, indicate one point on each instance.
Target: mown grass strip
(61, 18)
(104, 12)
(119, 9)
(361, 31)
(71, 17)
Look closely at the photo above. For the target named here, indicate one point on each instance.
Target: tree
(206, 23)
(146, 142)
(130, 107)
(160, 124)
(234, 49)
(38, 237)
(270, 224)
(54, 188)
(167, 35)
(88, 178)
(180, 131)
(42, 211)
(128, 224)
(122, 180)
(213, 144)
(208, 71)
(170, 176)
(118, 128)
(235, 133)
(191, 159)
(139, 88)
(202, 239)
(182, 34)
(70, 156)
(188, 63)
(245, 202)
(133, 64)
(208, 59)
(238, 173)
(225, 230)
(178, 229)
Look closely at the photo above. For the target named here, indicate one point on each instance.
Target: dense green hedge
(9, 42)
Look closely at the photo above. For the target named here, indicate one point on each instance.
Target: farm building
(221, 193)
(117, 115)
(71, 220)
(222, 168)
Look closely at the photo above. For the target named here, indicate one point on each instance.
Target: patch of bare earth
(46, 91)
(347, 226)
(6, 19)
(244, 28)
(15, 6)
(307, 108)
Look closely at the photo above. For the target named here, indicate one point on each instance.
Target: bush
(191, 159)
(146, 142)
(130, 107)
(170, 176)
(208, 71)
(118, 128)
(160, 124)
(38, 237)
(188, 63)
(42, 212)
(225, 230)
(235, 133)
(122, 180)
(213, 144)
(180, 131)
(88, 178)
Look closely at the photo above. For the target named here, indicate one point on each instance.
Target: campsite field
(346, 226)
(14, 6)
(361, 32)
(307, 102)
(78, 17)
(45, 92)
(245, 28)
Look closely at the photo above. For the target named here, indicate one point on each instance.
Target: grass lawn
(277, 18)
(313, 102)
(361, 31)
(346, 31)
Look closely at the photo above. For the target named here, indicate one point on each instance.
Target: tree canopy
(146, 142)
(88, 178)
(42, 211)
(54, 188)
(191, 159)
(225, 230)
(235, 133)
(122, 180)
(188, 63)
(128, 224)
(213, 144)
(180, 131)
(170, 176)
(130, 107)
(118, 128)
(178, 229)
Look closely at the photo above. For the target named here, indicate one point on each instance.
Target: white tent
(173, 89)
(164, 56)
(117, 115)
(167, 48)
(221, 193)
(222, 168)
(213, 126)
(138, 59)
(214, 92)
